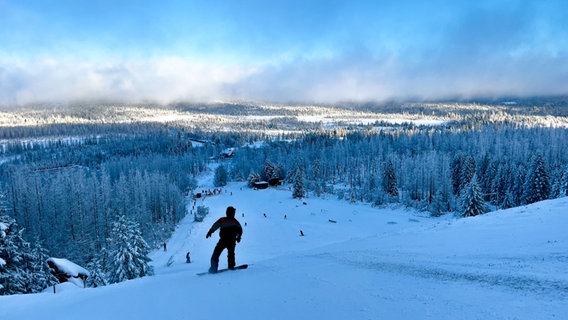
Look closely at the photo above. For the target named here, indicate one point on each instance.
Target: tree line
(78, 198)
(422, 167)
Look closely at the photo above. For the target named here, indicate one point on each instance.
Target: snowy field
(366, 263)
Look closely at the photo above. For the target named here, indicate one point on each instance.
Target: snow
(65, 286)
(373, 263)
(68, 267)
(368, 121)
(334, 119)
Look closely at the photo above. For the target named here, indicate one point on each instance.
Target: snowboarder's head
(231, 212)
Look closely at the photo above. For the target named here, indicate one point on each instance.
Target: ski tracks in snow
(459, 271)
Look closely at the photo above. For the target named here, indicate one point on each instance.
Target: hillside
(370, 263)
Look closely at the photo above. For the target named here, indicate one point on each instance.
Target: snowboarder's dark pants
(222, 245)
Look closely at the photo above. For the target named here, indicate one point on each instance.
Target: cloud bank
(159, 80)
(356, 77)
(321, 51)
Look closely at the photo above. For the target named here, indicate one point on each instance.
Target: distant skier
(187, 258)
(230, 232)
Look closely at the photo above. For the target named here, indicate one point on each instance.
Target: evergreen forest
(76, 190)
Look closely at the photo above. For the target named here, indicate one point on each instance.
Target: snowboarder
(230, 232)
(187, 258)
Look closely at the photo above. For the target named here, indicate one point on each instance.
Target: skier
(230, 232)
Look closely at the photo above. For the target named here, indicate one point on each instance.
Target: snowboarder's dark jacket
(230, 229)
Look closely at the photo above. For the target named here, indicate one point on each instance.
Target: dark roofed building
(67, 271)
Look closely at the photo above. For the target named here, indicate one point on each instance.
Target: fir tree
(97, 276)
(500, 183)
(439, 204)
(128, 257)
(316, 171)
(41, 276)
(556, 183)
(564, 183)
(456, 174)
(516, 189)
(220, 179)
(472, 202)
(462, 171)
(252, 179)
(508, 201)
(468, 169)
(390, 185)
(298, 181)
(14, 251)
(268, 170)
(537, 185)
(279, 172)
(485, 170)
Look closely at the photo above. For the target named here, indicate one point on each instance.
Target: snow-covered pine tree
(439, 204)
(485, 172)
(267, 170)
(128, 256)
(13, 251)
(519, 173)
(220, 179)
(316, 174)
(298, 180)
(41, 276)
(279, 172)
(472, 202)
(97, 276)
(563, 190)
(559, 187)
(370, 188)
(468, 169)
(253, 178)
(537, 185)
(463, 168)
(508, 201)
(500, 183)
(555, 182)
(390, 185)
(456, 174)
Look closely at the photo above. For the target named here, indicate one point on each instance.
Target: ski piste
(242, 266)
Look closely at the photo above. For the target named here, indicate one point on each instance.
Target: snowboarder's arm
(214, 228)
(240, 232)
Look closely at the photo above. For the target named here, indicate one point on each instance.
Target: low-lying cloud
(159, 80)
(354, 77)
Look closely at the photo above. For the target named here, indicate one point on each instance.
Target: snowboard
(242, 266)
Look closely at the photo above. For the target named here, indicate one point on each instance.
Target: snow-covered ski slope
(370, 264)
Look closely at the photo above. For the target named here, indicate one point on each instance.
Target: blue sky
(310, 51)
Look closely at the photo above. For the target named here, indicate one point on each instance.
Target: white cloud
(160, 80)
(355, 77)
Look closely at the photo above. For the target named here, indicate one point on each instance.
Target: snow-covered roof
(228, 152)
(68, 267)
